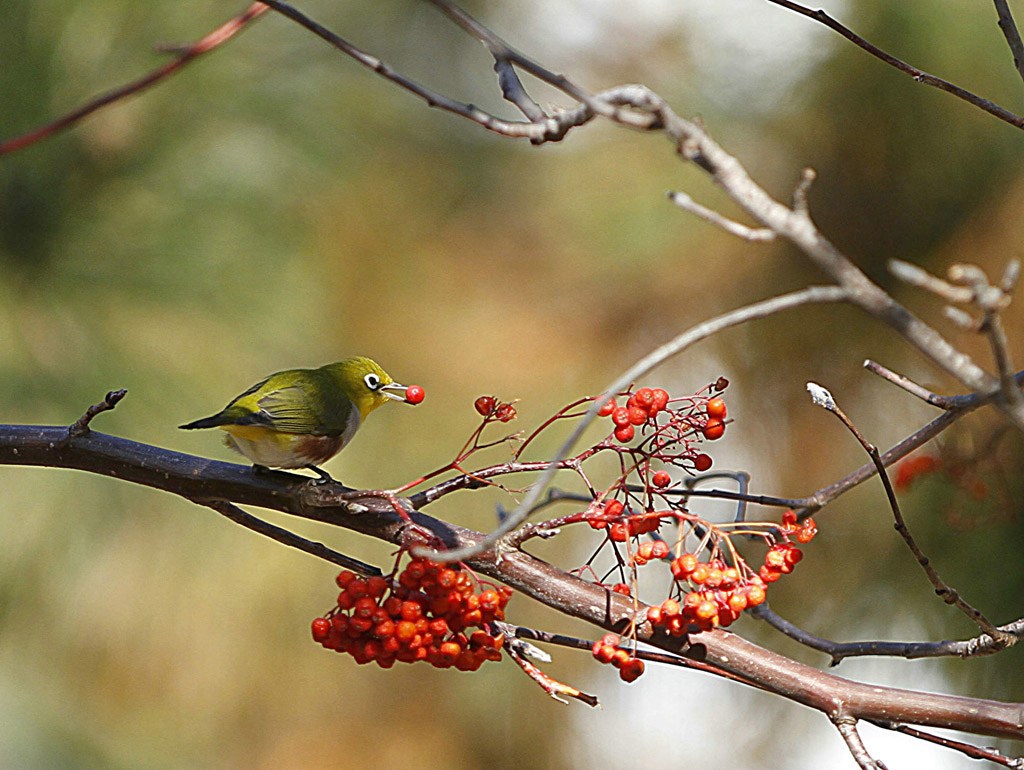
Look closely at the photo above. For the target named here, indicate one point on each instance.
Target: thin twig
(892, 61)
(847, 728)
(838, 651)
(934, 399)
(685, 202)
(81, 426)
(207, 43)
(283, 536)
(949, 595)
(974, 752)
(1009, 28)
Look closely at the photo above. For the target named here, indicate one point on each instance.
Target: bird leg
(325, 477)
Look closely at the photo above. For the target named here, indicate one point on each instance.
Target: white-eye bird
(300, 418)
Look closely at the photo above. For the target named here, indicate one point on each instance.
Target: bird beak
(397, 395)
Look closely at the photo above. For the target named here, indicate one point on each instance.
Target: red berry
(632, 670)
(702, 462)
(716, 408)
(660, 400)
(505, 412)
(621, 588)
(637, 416)
(620, 416)
(613, 508)
(625, 433)
(606, 408)
(662, 479)
(414, 394)
(659, 550)
(321, 629)
(620, 658)
(485, 405)
(619, 532)
(644, 398)
(713, 428)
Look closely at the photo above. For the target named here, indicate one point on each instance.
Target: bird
(300, 418)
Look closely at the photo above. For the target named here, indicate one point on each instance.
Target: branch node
(81, 426)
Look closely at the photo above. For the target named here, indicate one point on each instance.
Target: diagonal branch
(207, 43)
(918, 75)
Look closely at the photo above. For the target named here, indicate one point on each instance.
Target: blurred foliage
(275, 205)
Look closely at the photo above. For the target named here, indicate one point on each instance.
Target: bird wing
(296, 407)
(288, 410)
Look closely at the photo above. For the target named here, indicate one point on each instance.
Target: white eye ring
(372, 381)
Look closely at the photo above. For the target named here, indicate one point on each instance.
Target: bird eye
(372, 381)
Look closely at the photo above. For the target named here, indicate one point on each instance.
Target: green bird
(300, 418)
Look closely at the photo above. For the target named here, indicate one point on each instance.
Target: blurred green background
(276, 205)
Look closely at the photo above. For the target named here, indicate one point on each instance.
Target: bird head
(366, 383)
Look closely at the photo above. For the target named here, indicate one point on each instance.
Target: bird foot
(325, 477)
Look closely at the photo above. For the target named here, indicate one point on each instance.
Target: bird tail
(206, 422)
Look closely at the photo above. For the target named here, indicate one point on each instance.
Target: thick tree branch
(198, 478)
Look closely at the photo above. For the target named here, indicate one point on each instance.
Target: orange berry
(661, 479)
(713, 429)
(606, 408)
(716, 408)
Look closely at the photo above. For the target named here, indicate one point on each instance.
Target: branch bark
(205, 480)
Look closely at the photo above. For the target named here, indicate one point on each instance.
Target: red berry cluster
(640, 407)
(423, 615)
(607, 650)
(621, 528)
(720, 594)
(491, 409)
(715, 425)
(802, 532)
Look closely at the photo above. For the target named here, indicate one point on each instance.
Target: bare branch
(922, 279)
(949, 595)
(685, 202)
(283, 536)
(892, 61)
(964, 748)
(207, 43)
(199, 478)
(934, 399)
(838, 651)
(81, 427)
(1009, 28)
(800, 193)
(847, 728)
